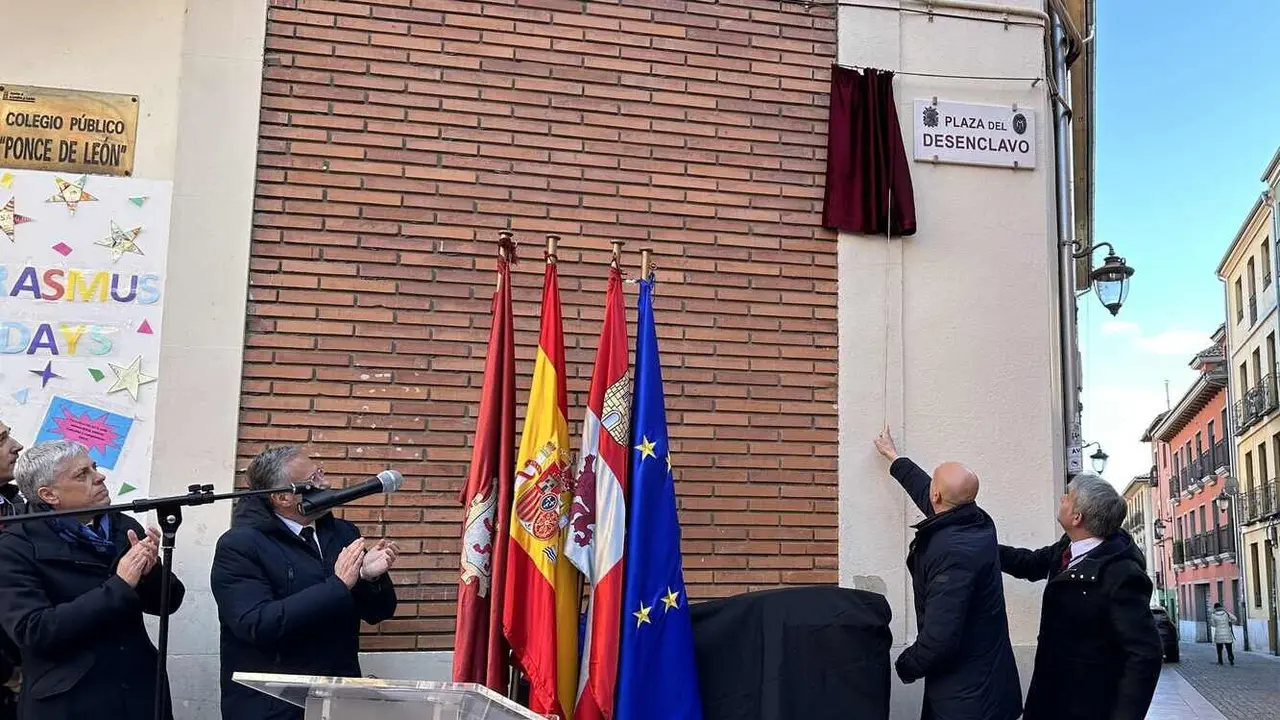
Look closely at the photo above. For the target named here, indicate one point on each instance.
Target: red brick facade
(399, 136)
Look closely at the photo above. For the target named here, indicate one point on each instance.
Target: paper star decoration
(121, 241)
(642, 615)
(646, 448)
(10, 219)
(129, 377)
(46, 374)
(671, 600)
(71, 194)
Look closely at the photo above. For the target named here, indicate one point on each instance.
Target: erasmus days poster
(82, 270)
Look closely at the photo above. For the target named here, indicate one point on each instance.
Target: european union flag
(657, 677)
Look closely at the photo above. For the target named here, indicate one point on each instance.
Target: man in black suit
(291, 589)
(73, 591)
(1099, 654)
(962, 649)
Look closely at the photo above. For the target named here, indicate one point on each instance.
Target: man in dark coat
(11, 503)
(1099, 653)
(73, 591)
(291, 590)
(962, 649)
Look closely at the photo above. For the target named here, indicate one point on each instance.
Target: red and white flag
(598, 515)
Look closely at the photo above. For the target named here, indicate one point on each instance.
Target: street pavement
(1199, 689)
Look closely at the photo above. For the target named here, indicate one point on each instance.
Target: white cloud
(1173, 342)
(1116, 419)
(1119, 327)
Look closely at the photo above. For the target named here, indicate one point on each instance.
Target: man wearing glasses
(291, 590)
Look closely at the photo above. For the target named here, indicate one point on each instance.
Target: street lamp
(1223, 500)
(1111, 280)
(1157, 528)
(1098, 458)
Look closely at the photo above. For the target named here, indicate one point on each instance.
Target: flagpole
(646, 263)
(617, 253)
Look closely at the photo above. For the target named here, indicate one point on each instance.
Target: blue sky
(1188, 116)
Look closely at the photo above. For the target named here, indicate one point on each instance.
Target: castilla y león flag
(544, 589)
(480, 650)
(598, 516)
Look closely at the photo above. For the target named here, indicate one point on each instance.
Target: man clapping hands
(291, 589)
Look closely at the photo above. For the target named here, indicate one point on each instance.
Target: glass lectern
(334, 698)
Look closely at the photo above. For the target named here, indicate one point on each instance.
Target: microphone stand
(169, 513)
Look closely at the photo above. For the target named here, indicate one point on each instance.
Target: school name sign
(970, 134)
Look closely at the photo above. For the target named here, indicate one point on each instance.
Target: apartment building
(1247, 273)
(1139, 522)
(1161, 541)
(1194, 448)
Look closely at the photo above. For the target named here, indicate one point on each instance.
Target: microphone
(320, 501)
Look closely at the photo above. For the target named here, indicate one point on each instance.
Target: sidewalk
(1175, 699)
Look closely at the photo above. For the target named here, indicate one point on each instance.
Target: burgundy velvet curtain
(868, 176)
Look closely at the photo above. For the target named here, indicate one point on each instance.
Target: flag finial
(552, 241)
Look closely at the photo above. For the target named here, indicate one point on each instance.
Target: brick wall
(399, 137)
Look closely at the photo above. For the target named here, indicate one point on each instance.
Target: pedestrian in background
(1099, 654)
(962, 649)
(1223, 636)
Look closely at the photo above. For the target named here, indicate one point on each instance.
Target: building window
(1221, 598)
(1253, 293)
(1257, 581)
(1235, 595)
(1266, 264)
(1239, 301)
(1263, 474)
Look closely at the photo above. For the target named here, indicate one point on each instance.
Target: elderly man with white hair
(1099, 653)
(73, 590)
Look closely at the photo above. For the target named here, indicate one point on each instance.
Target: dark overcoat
(85, 649)
(1099, 654)
(962, 650)
(283, 610)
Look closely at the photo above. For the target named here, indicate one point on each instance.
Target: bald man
(962, 648)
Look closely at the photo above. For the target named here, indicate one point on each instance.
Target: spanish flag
(543, 589)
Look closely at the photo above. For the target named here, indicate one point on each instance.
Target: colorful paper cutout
(62, 249)
(71, 194)
(21, 396)
(10, 220)
(121, 241)
(6, 180)
(96, 374)
(145, 328)
(126, 488)
(129, 377)
(138, 200)
(46, 374)
(101, 431)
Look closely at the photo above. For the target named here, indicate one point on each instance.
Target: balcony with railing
(1256, 402)
(1206, 546)
(1260, 503)
(1220, 456)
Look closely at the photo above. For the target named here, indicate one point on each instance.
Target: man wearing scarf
(73, 591)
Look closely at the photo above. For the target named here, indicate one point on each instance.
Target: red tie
(1066, 557)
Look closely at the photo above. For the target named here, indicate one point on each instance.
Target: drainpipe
(1071, 380)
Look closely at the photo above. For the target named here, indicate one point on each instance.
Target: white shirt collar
(296, 527)
(1081, 547)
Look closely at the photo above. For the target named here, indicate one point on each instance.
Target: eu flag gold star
(642, 615)
(668, 462)
(646, 448)
(671, 599)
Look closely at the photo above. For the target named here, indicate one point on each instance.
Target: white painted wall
(196, 66)
(968, 309)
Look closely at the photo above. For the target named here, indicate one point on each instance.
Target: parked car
(1168, 634)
